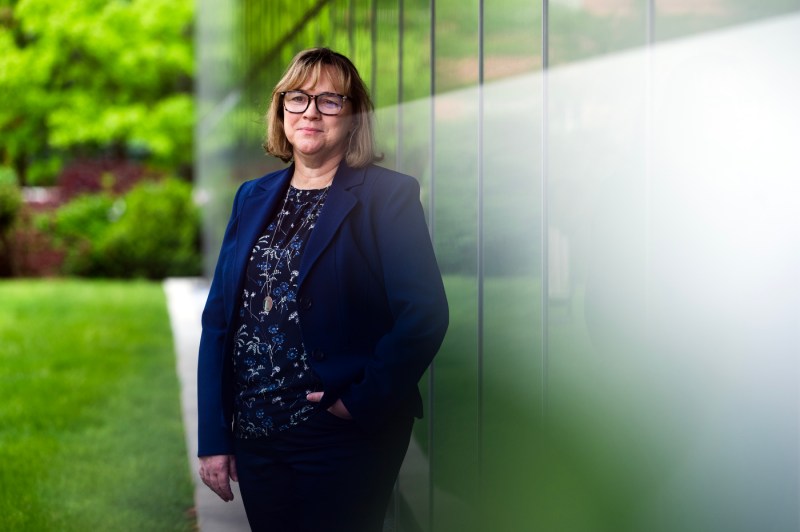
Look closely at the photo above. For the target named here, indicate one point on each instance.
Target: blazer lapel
(256, 210)
(339, 203)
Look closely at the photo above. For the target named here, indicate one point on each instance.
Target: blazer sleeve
(214, 417)
(415, 293)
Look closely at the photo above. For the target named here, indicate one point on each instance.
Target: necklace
(268, 300)
(280, 253)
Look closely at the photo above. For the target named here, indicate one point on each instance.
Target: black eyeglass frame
(316, 102)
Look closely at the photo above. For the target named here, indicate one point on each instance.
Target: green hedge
(10, 206)
(153, 232)
(10, 199)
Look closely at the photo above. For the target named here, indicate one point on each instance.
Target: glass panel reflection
(681, 18)
(583, 29)
(454, 457)
(511, 379)
(654, 191)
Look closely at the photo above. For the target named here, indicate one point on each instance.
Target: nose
(312, 111)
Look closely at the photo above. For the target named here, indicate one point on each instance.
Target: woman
(326, 308)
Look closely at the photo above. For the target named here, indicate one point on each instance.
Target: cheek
(289, 128)
(343, 130)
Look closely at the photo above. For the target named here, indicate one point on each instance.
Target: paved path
(185, 300)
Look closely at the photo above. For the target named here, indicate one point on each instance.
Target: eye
(296, 97)
(330, 101)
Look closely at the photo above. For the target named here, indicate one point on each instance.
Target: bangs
(302, 73)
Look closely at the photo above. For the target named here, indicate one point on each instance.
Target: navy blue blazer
(372, 306)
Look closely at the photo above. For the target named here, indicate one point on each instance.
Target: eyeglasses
(327, 103)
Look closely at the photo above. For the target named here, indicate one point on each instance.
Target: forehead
(322, 76)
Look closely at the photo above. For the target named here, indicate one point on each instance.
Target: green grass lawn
(91, 436)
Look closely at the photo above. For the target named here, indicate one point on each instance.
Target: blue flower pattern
(270, 363)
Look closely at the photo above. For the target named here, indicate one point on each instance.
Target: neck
(310, 176)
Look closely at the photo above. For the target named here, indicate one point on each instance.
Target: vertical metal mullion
(480, 240)
(432, 229)
(400, 95)
(373, 82)
(545, 254)
(431, 150)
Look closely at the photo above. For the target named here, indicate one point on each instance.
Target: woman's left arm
(415, 293)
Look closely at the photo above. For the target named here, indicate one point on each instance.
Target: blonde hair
(308, 66)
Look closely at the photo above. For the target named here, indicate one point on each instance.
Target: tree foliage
(79, 76)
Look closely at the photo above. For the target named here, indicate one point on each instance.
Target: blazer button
(318, 354)
(305, 303)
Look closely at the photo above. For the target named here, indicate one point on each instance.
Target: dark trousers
(324, 475)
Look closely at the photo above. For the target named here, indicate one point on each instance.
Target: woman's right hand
(217, 472)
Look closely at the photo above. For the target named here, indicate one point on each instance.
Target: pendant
(268, 304)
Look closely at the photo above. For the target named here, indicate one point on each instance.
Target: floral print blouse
(270, 362)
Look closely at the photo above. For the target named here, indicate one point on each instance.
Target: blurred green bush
(156, 235)
(153, 231)
(10, 206)
(10, 199)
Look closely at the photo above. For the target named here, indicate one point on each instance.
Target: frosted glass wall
(612, 189)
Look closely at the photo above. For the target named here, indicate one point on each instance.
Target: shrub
(10, 205)
(153, 231)
(10, 199)
(76, 227)
(34, 254)
(156, 235)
